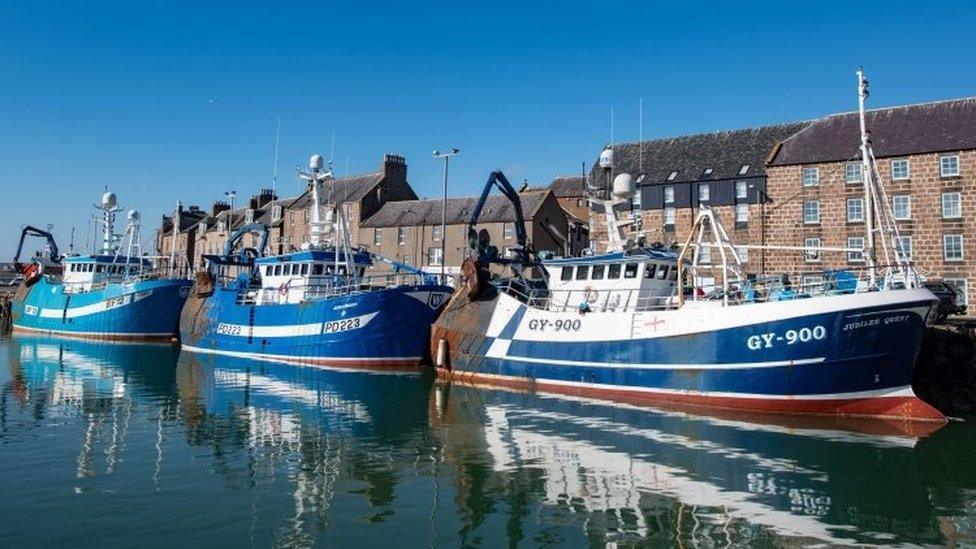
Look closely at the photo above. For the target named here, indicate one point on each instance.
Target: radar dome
(133, 215)
(606, 158)
(623, 186)
(109, 200)
(315, 162)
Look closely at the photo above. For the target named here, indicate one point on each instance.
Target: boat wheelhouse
(113, 294)
(318, 306)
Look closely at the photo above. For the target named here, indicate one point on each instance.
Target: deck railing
(303, 290)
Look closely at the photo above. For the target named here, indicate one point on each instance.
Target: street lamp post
(231, 195)
(447, 159)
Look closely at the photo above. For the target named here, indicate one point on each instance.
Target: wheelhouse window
(317, 269)
(662, 272)
(630, 270)
(613, 271)
(582, 272)
(649, 270)
(566, 274)
(277, 269)
(304, 269)
(286, 269)
(598, 272)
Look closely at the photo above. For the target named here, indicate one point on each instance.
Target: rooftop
(428, 212)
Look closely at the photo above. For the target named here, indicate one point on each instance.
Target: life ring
(590, 295)
(31, 273)
(283, 289)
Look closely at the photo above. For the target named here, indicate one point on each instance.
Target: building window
(811, 177)
(291, 218)
(949, 165)
(852, 172)
(221, 226)
(704, 254)
(811, 256)
(672, 175)
(434, 257)
(704, 192)
(951, 205)
(635, 200)
(899, 169)
(743, 253)
(741, 190)
(669, 194)
(855, 210)
(960, 285)
(508, 229)
(811, 212)
(952, 247)
(901, 207)
(669, 214)
(401, 236)
(438, 232)
(276, 212)
(744, 169)
(249, 216)
(855, 243)
(378, 236)
(706, 173)
(903, 247)
(741, 213)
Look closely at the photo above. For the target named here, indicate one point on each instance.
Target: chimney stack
(219, 206)
(394, 167)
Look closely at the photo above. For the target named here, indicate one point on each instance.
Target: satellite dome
(315, 162)
(109, 200)
(606, 158)
(133, 215)
(623, 185)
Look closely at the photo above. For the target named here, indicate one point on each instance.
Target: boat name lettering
(561, 325)
(341, 325)
(113, 302)
(229, 329)
(790, 337)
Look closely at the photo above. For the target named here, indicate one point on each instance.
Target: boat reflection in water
(633, 475)
(100, 382)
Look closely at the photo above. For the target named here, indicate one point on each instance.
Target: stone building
(570, 192)
(926, 156)
(410, 231)
(674, 176)
(186, 237)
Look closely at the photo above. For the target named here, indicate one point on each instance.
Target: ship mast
(867, 177)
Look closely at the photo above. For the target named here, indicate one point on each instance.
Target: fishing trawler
(112, 294)
(623, 326)
(316, 306)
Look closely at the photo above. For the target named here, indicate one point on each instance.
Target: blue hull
(379, 329)
(852, 357)
(144, 310)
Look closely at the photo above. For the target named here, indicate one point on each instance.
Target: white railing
(303, 290)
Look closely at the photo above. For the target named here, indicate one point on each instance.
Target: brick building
(674, 176)
(926, 156)
(410, 231)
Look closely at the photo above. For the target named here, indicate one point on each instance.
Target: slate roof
(895, 131)
(497, 209)
(346, 189)
(724, 152)
(188, 218)
(568, 185)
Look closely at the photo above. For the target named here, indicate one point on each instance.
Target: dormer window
(672, 175)
(249, 216)
(276, 212)
(222, 226)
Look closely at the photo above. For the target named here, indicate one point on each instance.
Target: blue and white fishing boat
(113, 294)
(622, 325)
(316, 306)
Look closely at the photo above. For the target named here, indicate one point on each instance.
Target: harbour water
(137, 445)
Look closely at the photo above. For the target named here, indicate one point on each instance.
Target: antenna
(274, 176)
(640, 137)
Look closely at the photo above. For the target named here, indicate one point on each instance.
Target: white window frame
(855, 242)
(378, 236)
(635, 200)
(673, 215)
(860, 216)
(744, 187)
(742, 212)
(908, 169)
(958, 202)
(669, 194)
(401, 236)
(943, 164)
(435, 257)
(704, 192)
(508, 230)
(811, 181)
(743, 253)
(894, 207)
(812, 242)
(962, 295)
(436, 233)
(945, 248)
(898, 249)
(812, 202)
(849, 173)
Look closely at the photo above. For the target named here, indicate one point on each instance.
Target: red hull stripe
(909, 408)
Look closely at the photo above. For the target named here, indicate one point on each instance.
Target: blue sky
(161, 100)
